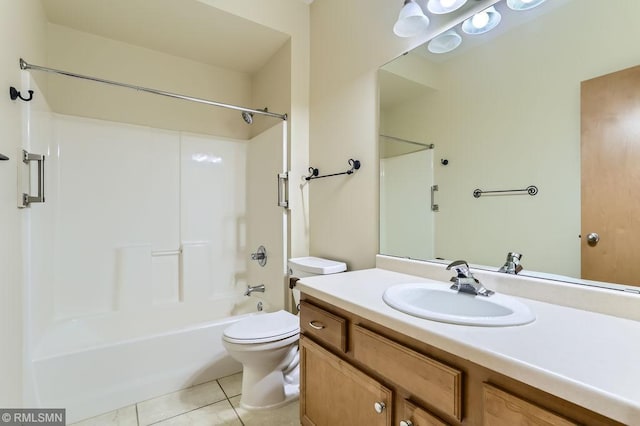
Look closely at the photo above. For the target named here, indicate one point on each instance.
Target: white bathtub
(96, 364)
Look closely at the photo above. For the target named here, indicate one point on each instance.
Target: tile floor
(208, 404)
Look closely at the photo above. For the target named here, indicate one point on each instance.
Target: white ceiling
(185, 28)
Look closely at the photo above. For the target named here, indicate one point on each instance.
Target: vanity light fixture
(411, 21)
(445, 42)
(482, 22)
(524, 4)
(439, 7)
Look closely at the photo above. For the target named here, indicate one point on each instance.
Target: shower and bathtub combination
(140, 256)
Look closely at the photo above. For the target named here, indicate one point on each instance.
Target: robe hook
(15, 94)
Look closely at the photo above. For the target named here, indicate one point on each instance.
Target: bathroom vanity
(364, 362)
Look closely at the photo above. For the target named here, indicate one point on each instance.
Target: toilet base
(264, 391)
(292, 393)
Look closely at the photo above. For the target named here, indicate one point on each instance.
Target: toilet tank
(301, 267)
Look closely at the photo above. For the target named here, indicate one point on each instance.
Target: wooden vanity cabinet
(352, 367)
(335, 393)
(325, 327)
(409, 412)
(502, 408)
(410, 370)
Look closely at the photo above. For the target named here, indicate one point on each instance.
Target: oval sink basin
(437, 302)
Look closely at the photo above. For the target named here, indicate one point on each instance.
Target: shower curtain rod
(24, 65)
(426, 145)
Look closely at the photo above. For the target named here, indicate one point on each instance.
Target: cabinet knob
(406, 423)
(379, 407)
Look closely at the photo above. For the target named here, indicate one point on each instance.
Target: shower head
(247, 117)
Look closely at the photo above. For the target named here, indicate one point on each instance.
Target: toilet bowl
(267, 346)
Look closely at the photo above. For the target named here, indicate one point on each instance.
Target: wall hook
(15, 94)
(3, 157)
(313, 172)
(355, 165)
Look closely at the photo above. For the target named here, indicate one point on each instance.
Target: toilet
(267, 345)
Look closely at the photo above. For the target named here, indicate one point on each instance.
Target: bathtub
(103, 362)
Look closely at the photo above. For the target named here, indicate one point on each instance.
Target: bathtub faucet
(258, 288)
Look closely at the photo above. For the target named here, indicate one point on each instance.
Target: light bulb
(440, 7)
(524, 4)
(480, 20)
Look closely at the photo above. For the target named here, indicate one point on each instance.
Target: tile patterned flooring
(209, 404)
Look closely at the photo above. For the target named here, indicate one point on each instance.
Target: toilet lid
(262, 328)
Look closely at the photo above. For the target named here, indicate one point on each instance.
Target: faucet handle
(512, 265)
(461, 267)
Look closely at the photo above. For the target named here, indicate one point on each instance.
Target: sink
(437, 302)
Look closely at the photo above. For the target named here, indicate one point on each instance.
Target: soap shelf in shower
(314, 173)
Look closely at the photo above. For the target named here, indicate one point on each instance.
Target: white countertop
(588, 358)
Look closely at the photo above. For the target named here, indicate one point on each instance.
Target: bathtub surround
(132, 369)
(140, 257)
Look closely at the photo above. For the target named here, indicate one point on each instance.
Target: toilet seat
(263, 328)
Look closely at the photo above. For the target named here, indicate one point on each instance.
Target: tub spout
(258, 288)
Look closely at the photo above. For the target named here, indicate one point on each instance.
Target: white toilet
(267, 345)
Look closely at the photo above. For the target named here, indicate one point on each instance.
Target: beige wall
(514, 121)
(122, 62)
(291, 17)
(349, 42)
(88, 54)
(22, 25)
(271, 88)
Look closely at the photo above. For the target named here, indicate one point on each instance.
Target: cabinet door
(436, 383)
(504, 409)
(332, 392)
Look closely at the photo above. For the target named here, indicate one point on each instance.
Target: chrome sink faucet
(258, 288)
(464, 281)
(512, 265)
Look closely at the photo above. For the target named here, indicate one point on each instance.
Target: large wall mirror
(503, 112)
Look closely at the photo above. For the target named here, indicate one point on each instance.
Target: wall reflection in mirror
(503, 111)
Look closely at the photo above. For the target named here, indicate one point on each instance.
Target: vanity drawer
(323, 326)
(501, 408)
(417, 416)
(426, 378)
